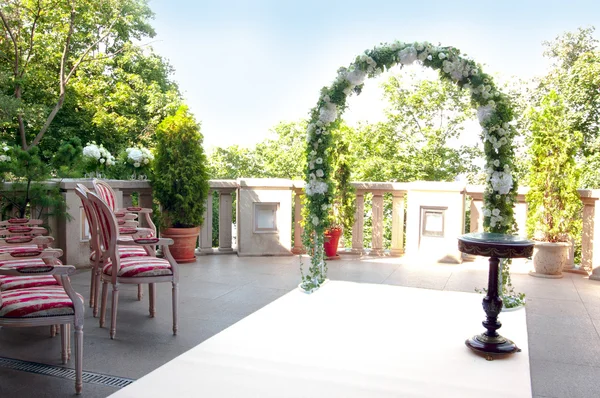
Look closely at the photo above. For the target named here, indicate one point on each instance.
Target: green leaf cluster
(180, 182)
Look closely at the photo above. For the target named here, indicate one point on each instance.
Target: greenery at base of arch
(495, 116)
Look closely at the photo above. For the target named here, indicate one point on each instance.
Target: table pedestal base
(491, 346)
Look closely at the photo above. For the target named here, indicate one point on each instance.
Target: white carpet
(349, 340)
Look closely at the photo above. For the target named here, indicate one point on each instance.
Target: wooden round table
(494, 246)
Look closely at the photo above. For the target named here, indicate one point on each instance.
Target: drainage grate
(65, 373)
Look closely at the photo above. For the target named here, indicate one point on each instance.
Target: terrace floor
(563, 320)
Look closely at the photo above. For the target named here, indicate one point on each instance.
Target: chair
(105, 191)
(27, 256)
(46, 306)
(22, 235)
(96, 250)
(133, 270)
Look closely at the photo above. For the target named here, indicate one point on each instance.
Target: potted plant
(554, 205)
(342, 210)
(180, 182)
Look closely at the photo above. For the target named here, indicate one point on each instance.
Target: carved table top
(495, 245)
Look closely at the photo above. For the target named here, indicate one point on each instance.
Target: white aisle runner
(349, 340)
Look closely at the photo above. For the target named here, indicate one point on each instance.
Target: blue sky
(243, 66)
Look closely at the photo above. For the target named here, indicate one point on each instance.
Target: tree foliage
(553, 200)
(423, 118)
(180, 182)
(45, 43)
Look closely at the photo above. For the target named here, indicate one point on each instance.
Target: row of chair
(35, 289)
(124, 253)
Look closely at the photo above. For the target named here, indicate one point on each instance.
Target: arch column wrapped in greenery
(493, 110)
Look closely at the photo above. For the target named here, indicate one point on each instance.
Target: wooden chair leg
(113, 316)
(93, 287)
(103, 303)
(98, 281)
(78, 358)
(140, 292)
(175, 304)
(52, 330)
(64, 335)
(152, 298)
(68, 329)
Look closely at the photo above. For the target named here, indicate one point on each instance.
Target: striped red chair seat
(21, 282)
(8, 249)
(141, 266)
(25, 282)
(125, 251)
(36, 302)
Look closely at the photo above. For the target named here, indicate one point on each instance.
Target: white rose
(496, 212)
(484, 113)
(408, 55)
(319, 160)
(315, 220)
(501, 182)
(136, 164)
(328, 113)
(320, 173)
(356, 76)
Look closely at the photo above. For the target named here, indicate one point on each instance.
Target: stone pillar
(205, 238)
(359, 223)
(476, 219)
(225, 219)
(298, 230)
(145, 201)
(587, 238)
(377, 239)
(397, 223)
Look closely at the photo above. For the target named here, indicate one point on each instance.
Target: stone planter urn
(549, 259)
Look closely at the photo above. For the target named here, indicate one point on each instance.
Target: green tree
(180, 182)
(553, 200)
(280, 156)
(423, 118)
(45, 42)
(575, 76)
(233, 162)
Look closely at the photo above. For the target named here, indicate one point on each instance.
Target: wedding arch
(494, 112)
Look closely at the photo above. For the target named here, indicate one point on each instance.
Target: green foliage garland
(493, 110)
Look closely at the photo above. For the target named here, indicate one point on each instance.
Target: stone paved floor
(563, 319)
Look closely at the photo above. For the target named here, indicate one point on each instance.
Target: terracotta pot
(183, 250)
(332, 240)
(550, 258)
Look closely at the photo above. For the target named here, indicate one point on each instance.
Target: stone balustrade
(72, 234)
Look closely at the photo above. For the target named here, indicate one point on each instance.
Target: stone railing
(72, 234)
(377, 189)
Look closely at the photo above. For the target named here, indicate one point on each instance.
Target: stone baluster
(225, 219)
(377, 236)
(205, 238)
(298, 230)
(359, 223)
(397, 223)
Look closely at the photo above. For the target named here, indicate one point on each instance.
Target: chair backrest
(107, 226)
(82, 191)
(104, 191)
(21, 221)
